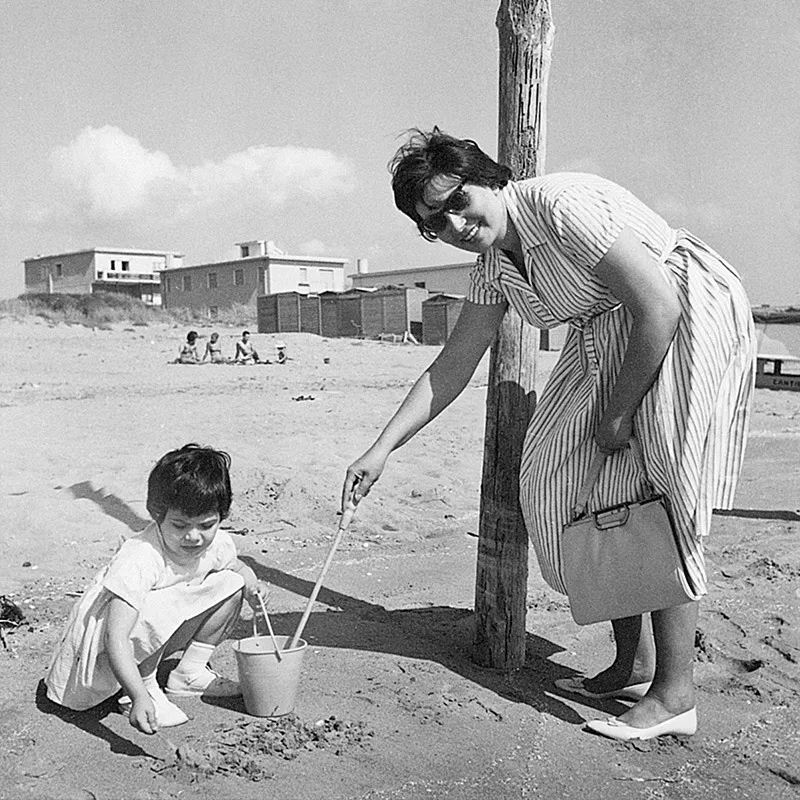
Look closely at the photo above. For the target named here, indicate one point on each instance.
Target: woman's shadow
(438, 633)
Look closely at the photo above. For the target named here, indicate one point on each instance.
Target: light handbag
(622, 561)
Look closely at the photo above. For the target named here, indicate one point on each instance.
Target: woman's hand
(362, 474)
(613, 433)
(143, 714)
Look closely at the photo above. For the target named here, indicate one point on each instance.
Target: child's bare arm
(253, 587)
(121, 619)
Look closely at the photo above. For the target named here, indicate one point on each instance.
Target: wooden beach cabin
(288, 312)
(394, 310)
(439, 315)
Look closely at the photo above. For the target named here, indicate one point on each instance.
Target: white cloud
(109, 172)
(110, 176)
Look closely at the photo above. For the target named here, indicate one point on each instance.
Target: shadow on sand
(442, 634)
(438, 633)
(111, 505)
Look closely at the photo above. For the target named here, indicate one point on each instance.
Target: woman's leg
(672, 691)
(635, 661)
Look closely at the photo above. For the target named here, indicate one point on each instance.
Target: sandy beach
(85, 413)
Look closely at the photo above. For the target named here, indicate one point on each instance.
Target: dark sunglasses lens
(455, 204)
(458, 201)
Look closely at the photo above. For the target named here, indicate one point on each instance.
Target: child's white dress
(165, 594)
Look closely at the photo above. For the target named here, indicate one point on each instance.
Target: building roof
(121, 250)
(437, 267)
(316, 259)
(233, 262)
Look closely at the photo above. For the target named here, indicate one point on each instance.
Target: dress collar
(528, 227)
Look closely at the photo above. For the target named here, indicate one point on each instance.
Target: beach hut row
(364, 314)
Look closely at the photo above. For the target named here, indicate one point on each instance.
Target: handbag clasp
(611, 517)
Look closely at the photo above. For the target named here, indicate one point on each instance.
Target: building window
(327, 280)
(187, 283)
(126, 265)
(419, 284)
(168, 285)
(303, 275)
(238, 277)
(59, 270)
(212, 280)
(213, 312)
(245, 251)
(113, 264)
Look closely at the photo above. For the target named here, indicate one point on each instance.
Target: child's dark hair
(194, 480)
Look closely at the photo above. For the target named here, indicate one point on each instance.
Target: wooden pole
(525, 31)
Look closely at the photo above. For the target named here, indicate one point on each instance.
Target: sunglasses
(432, 226)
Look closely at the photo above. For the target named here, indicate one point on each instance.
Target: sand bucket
(269, 679)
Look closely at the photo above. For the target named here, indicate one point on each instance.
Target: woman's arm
(437, 387)
(121, 619)
(631, 273)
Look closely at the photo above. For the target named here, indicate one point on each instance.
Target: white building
(442, 279)
(261, 269)
(136, 273)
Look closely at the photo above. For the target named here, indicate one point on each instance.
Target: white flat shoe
(575, 685)
(680, 725)
(206, 683)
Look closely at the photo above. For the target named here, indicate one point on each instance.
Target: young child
(188, 353)
(177, 581)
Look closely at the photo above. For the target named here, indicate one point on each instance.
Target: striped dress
(692, 423)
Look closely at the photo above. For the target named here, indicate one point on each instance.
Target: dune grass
(106, 309)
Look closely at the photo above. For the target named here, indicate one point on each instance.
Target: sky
(191, 125)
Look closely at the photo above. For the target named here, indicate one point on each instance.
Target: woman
(660, 344)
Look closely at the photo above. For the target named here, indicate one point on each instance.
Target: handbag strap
(595, 469)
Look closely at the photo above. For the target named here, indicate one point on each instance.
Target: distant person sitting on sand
(188, 353)
(245, 352)
(280, 350)
(214, 350)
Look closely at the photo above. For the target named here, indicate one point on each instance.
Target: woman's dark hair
(426, 154)
(191, 336)
(194, 480)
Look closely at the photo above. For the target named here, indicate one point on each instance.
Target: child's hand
(255, 590)
(143, 715)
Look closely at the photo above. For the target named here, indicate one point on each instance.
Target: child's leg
(192, 676)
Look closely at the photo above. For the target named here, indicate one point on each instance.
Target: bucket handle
(269, 627)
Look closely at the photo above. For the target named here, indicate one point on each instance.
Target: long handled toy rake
(347, 518)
